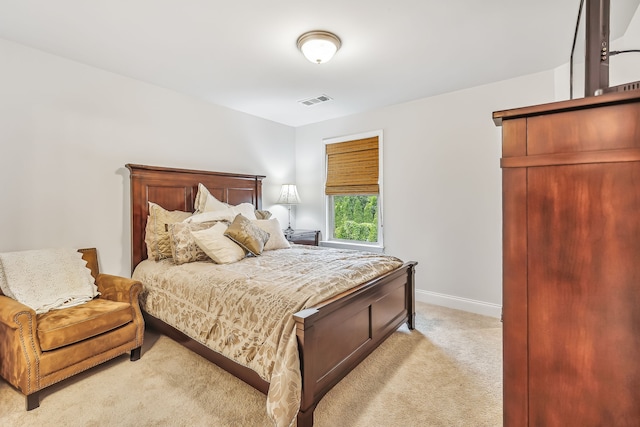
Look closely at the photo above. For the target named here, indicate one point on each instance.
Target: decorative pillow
(226, 214)
(46, 279)
(157, 230)
(247, 235)
(276, 235)
(205, 202)
(262, 214)
(183, 247)
(217, 246)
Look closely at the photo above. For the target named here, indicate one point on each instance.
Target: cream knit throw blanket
(46, 279)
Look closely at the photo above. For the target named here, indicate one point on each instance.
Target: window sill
(354, 246)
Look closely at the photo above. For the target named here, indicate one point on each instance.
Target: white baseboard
(458, 303)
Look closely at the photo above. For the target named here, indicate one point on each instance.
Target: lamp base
(289, 230)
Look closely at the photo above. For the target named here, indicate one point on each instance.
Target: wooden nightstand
(304, 237)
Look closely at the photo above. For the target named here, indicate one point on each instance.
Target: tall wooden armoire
(571, 262)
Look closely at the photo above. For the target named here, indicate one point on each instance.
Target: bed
(333, 335)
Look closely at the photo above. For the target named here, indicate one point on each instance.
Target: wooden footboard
(333, 337)
(338, 334)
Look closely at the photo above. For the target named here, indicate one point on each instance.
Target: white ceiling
(242, 54)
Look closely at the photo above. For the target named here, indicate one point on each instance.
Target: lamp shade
(319, 46)
(288, 195)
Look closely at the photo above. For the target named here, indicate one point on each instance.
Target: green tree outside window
(356, 217)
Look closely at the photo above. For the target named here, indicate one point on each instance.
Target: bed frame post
(306, 346)
(411, 296)
(305, 418)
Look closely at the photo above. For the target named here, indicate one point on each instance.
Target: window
(353, 190)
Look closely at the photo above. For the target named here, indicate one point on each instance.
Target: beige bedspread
(244, 310)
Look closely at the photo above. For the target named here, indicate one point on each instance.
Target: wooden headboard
(176, 189)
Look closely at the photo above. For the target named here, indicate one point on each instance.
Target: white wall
(67, 130)
(442, 185)
(442, 180)
(623, 68)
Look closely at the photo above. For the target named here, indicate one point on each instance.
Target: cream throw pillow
(205, 202)
(227, 214)
(277, 240)
(217, 246)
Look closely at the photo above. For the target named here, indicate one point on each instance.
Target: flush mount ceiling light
(319, 46)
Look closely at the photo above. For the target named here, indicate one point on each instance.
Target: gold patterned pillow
(247, 235)
(157, 230)
(183, 246)
(260, 214)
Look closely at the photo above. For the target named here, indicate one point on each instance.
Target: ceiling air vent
(314, 101)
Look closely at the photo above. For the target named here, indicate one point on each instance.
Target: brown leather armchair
(37, 350)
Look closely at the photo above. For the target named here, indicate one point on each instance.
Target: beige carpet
(445, 373)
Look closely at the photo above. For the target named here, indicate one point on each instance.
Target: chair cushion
(58, 328)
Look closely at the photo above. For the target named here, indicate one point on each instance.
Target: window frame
(331, 240)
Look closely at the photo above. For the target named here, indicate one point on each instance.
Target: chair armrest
(10, 309)
(20, 348)
(117, 288)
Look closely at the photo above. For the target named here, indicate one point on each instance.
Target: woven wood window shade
(352, 167)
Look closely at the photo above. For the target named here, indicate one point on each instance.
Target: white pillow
(47, 279)
(276, 235)
(217, 246)
(227, 214)
(205, 202)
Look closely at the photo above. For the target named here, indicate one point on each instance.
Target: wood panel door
(583, 261)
